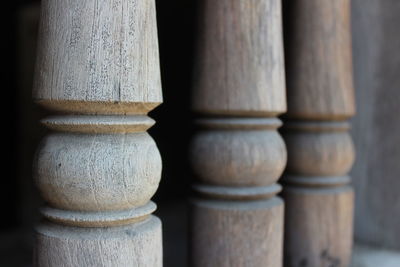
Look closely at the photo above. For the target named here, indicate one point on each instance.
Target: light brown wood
(319, 200)
(318, 57)
(239, 70)
(242, 233)
(237, 154)
(98, 69)
(318, 230)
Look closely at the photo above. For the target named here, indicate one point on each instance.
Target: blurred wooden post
(319, 199)
(97, 69)
(237, 153)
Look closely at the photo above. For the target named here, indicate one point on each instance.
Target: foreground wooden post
(98, 71)
(237, 153)
(319, 200)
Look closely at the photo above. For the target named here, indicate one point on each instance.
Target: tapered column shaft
(237, 153)
(319, 199)
(98, 72)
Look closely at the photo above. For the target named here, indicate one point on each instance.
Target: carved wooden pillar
(237, 153)
(319, 199)
(98, 71)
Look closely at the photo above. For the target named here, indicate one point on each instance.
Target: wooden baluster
(98, 70)
(319, 199)
(237, 154)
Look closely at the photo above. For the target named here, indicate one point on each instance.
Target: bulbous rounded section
(319, 153)
(97, 172)
(254, 157)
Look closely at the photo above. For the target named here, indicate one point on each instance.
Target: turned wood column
(98, 72)
(318, 197)
(237, 154)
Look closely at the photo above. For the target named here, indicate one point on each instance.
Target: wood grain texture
(237, 155)
(318, 59)
(98, 168)
(98, 56)
(237, 233)
(127, 245)
(322, 214)
(319, 201)
(239, 49)
(376, 127)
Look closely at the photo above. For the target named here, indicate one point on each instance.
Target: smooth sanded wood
(97, 70)
(237, 155)
(319, 201)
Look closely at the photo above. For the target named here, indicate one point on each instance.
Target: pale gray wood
(237, 154)
(98, 168)
(319, 201)
(96, 53)
(376, 127)
(127, 245)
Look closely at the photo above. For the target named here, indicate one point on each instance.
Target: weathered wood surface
(319, 59)
(237, 154)
(99, 57)
(239, 70)
(376, 127)
(97, 68)
(319, 201)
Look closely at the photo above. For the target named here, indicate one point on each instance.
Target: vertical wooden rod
(98, 72)
(237, 153)
(318, 197)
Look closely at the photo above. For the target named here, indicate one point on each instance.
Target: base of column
(318, 226)
(138, 244)
(237, 233)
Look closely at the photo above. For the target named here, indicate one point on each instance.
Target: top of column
(98, 57)
(240, 68)
(318, 59)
